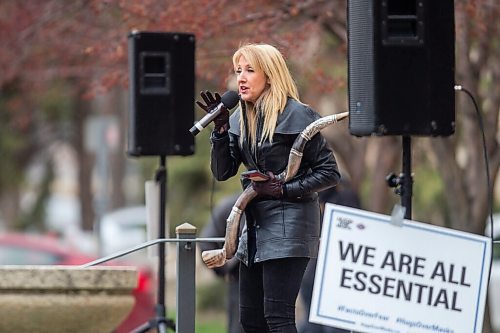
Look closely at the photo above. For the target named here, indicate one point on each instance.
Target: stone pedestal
(39, 299)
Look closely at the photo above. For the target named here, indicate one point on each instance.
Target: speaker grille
(401, 59)
(360, 67)
(162, 76)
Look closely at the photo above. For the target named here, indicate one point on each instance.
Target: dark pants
(306, 290)
(233, 311)
(268, 292)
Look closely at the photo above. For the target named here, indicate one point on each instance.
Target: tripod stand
(403, 183)
(160, 321)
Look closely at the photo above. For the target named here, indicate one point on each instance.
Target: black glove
(269, 188)
(221, 122)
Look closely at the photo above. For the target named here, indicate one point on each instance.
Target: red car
(27, 249)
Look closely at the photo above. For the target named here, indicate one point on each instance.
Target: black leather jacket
(287, 227)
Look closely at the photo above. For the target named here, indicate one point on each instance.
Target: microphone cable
(488, 183)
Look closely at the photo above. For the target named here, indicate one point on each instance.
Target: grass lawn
(207, 321)
(210, 322)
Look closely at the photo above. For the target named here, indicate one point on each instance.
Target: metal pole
(161, 177)
(407, 188)
(186, 262)
(148, 244)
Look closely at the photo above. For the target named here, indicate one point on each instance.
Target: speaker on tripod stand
(162, 74)
(401, 73)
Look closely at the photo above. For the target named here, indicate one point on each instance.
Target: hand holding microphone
(211, 103)
(217, 109)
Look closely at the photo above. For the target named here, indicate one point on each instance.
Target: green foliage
(213, 325)
(429, 202)
(29, 124)
(34, 219)
(55, 102)
(192, 190)
(212, 296)
(10, 174)
(11, 139)
(206, 321)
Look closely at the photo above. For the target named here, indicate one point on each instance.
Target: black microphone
(228, 100)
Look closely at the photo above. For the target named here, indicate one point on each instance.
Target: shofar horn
(217, 258)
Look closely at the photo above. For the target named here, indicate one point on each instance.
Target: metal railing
(186, 271)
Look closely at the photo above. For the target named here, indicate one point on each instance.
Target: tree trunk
(85, 164)
(118, 158)
(9, 207)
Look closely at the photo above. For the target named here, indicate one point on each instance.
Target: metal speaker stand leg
(160, 322)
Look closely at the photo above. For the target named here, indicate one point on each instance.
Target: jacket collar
(293, 120)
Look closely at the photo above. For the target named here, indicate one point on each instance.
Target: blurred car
(28, 249)
(131, 226)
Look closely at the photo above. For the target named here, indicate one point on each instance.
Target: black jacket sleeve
(319, 170)
(225, 156)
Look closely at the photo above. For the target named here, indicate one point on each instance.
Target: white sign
(373, 276)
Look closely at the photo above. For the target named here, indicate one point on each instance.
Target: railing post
(186, 289)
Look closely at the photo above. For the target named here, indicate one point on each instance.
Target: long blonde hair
(266, 58)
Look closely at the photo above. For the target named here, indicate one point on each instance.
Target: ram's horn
(218, 257)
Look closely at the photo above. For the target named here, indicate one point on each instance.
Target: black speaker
(401, 67)
(162, 83)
